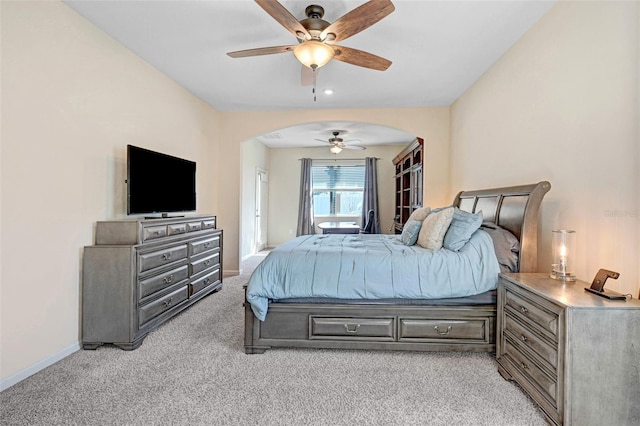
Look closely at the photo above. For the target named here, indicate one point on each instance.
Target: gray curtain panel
(370, 196)
(305, 206)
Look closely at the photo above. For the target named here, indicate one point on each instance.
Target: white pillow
(434, 229)
(419, 214)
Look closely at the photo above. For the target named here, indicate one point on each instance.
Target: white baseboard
(40, 365)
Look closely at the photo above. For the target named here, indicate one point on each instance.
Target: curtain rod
(338, 159)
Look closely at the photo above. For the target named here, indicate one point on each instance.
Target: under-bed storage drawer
(436, 329)
(352, 328)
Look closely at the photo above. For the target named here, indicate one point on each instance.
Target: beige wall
(560, 106)
(432, 124)
(72, 99)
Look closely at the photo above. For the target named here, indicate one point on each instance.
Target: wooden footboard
(381, 327)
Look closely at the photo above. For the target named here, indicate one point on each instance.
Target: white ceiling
(438, 49)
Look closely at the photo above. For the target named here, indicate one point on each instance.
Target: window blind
(337, 177)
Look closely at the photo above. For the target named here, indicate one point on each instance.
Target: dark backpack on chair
(369, 225)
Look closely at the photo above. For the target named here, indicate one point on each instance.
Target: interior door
(262, 198)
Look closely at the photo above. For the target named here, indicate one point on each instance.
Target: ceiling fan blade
(323, 141)
(354, 147)
(260, 51)
(358, 19)
(285, 18)
(360, 58)
(306, 76)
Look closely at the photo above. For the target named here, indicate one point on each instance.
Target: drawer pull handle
(207, 244)
(523, 365)
(207, 281)
(207, 262)
(354, 330)
(442, 333)
(523, 338)
(523, 309)
(168, 279)
(156, 232)
(166, 256)
(168, 302)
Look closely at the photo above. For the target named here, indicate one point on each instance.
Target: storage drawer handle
(207, 244)
(166, 256)
(354, 330)
(207, 281)
(523, 365)
(168, 279)
(168, 302)
(523, 338)
(523, 309)
(207, 262)
(442, 333)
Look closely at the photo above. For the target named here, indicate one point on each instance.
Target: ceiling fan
(317, 37)
(338, 144)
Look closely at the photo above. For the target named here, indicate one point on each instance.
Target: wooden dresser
(140, 273)
(576, 354)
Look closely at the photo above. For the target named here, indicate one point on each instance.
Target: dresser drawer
(205, 262)
(535, 312)
(433, 330)
(177, 228)
(161, 257)
(205, 281)
(194, 226)
(155, 308)
(351, 328)
(200, 246)
(209, 224)
(159, 282)
(542, 383)
(153, 232)
(519, 332)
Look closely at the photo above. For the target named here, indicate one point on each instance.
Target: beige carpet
(193, 371)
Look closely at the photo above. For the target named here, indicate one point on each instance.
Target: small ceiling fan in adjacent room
(338, 144)
(316, 37)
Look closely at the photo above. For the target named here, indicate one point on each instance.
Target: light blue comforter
(371, 266)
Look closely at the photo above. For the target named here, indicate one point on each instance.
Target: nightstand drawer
(542, 383)
(532, 311)
(546, 351)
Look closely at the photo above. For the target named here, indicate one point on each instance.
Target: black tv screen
(159, 183)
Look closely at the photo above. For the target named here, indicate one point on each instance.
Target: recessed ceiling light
(328, 91)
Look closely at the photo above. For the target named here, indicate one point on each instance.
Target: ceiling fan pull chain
(313, 70)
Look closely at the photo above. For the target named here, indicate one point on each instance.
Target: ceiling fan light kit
(335, 149)
(313, 53)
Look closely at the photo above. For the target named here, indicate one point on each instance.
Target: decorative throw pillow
(463, 225)
(434, 228)
(506, 245)
(410, 232)
(419, 214)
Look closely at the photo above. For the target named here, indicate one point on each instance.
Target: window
(337, 189)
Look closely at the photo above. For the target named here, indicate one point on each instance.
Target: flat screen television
(159, 183)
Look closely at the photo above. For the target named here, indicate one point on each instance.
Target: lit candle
(563, 259)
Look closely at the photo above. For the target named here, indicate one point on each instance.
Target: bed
(364, 315)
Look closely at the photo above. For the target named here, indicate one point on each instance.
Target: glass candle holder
(563, 246)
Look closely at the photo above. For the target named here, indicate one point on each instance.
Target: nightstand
(576, 354)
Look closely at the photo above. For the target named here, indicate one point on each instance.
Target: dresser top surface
(571, 294)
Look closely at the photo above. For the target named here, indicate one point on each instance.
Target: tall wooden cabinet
(140, 273)
(408, 180)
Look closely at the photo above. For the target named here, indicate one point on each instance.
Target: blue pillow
(463, 225)
(410, 232)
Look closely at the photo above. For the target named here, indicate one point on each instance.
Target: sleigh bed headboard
(514, 208)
